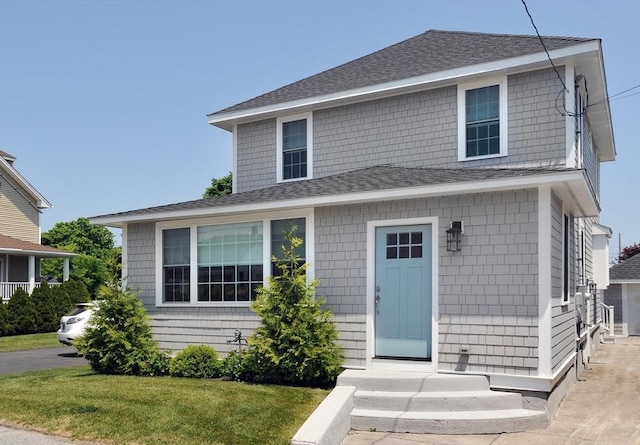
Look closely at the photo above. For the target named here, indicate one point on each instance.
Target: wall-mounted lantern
(454, 236)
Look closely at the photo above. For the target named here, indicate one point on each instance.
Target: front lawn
(29, 341)
(155, 410)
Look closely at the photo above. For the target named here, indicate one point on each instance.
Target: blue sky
(104, 103)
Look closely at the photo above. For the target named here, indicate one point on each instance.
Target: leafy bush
(119, 339)
(296, 341)
(198, 361)
(5, 326)
(22, 313)
(233, 366)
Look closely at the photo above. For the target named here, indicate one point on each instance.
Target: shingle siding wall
(18, 216)
(412, 130)
(487, 293)
(563, 323)
(256, 155)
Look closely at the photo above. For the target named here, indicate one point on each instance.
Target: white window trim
(282, 120)
(193, 224)
(462, 119)
(566, 254)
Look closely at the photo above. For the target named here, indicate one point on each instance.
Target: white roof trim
(41, 201)
(38, 253)
(571, 186)
(514, 64)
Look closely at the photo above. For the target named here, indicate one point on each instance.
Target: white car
(74, 323)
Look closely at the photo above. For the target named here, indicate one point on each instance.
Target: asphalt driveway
(39, 359)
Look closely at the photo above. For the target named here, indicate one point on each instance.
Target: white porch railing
(8, 288)
(608, 320)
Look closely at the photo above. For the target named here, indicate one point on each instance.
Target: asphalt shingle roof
(426, 53)
(383, 177)
(627, 270)
(9, 242)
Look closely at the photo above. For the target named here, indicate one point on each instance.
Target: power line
(545, 47)
(616, 96)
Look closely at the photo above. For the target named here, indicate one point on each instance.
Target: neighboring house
(448, 192)
(20, 249)
(624, 295)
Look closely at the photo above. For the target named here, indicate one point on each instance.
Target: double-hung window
(229, 261)
(482, 120)
(176, 265)
(294, 144)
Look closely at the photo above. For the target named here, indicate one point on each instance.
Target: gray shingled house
(624, 295)
(448, 191)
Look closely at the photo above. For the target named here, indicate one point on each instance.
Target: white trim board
(401, 365)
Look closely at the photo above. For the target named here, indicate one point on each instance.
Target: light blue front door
(403, 292)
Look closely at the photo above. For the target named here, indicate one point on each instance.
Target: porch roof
(627, 271)
(17, 246)
(379, 183)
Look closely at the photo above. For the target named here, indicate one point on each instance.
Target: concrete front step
(367, 380)
(437, 400)
(459, 422)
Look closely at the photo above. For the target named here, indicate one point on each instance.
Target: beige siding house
(20, 248)
(447, 188)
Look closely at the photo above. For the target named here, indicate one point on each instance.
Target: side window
(294, 145)
(175, 265)
(482, 120)
(278, 230)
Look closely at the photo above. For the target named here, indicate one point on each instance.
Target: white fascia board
(403, 86)
(625, 281)
(572, 179)
(38, 253)
(41, 201)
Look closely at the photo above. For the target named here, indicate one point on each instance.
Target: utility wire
(616, 96)
(545, 47)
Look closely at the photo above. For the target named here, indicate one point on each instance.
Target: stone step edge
(448, 415)
(435, 394)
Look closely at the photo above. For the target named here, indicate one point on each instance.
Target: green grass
(29, 341)
(155, 410)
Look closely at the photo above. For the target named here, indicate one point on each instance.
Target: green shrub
(76, 290)
(5, 326)
(197, 361)
(296, 341)
(61, 302)
(47, 318)
(22, 313)
(119, 339)
(233, 366)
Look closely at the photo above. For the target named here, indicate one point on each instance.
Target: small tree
(219, 187)
(119, 340)
(628, 252)
(296, 341)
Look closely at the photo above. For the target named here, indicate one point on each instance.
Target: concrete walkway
(603, 408)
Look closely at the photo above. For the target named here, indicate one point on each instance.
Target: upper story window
(482, 119)
(294, 157)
